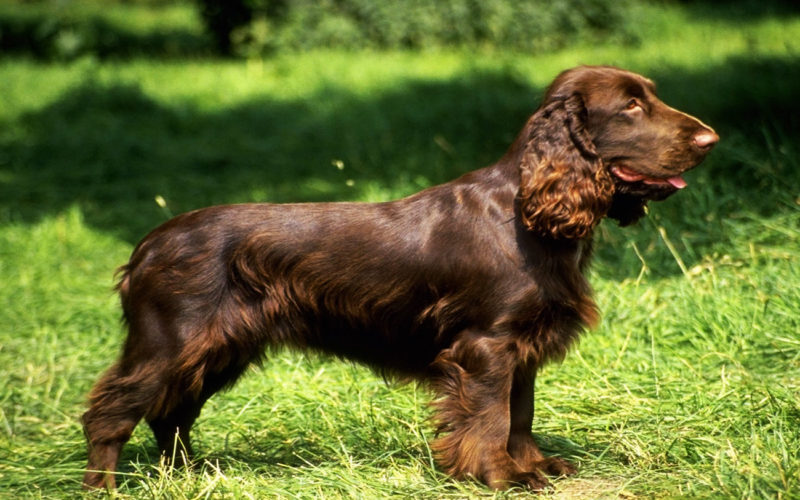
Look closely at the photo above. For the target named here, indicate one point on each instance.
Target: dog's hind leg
(137, 386)
(171, 429)
(117, 403)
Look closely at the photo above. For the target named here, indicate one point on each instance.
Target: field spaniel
(470, 286)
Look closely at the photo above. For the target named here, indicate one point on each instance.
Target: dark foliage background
(265, 25)
(65, 30)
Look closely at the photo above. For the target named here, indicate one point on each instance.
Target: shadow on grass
(112, 150)
(282, 454)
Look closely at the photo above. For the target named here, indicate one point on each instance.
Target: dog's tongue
(630, 175)
(677, 182)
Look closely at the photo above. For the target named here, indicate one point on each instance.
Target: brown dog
(470, 286)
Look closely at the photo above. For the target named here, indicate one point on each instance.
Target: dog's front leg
(475, 379)
(521, 445)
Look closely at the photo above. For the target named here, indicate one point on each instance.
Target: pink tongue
(677, 182)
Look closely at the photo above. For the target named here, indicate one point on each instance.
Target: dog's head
(602, 143)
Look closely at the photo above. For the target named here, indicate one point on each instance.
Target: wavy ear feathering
(564, 189)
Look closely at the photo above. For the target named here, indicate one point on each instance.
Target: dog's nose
(706, 139)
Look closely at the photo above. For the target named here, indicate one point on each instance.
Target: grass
(689, 387)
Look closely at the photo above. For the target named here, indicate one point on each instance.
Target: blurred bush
(65, 29)
(254, 27)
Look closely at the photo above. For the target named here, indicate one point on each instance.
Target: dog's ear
(564, 188)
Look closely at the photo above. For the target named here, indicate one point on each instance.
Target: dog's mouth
(629, 175)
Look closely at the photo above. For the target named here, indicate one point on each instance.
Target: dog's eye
(632, 105)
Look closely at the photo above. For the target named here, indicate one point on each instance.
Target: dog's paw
(555, 466)
(533, 480)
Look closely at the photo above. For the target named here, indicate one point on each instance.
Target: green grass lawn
(689, 387)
